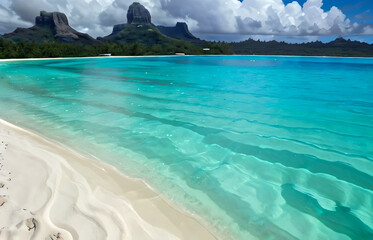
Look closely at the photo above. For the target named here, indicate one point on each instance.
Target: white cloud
(253, 17)
(291, 19)
(9, 20)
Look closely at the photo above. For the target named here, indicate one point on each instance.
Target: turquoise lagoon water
(260, 147)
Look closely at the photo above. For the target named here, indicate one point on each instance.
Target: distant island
(52, 36)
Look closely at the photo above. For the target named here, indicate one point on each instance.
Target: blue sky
(357, 11)
(228, 20)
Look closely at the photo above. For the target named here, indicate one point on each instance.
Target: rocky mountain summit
(181, 32)
(54, 26)
(50, 26)
(139, 24)
(138, 14)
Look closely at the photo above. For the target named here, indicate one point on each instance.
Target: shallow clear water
(261, 147)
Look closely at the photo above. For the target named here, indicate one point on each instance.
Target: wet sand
(48, 191)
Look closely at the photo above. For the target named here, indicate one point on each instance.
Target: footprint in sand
(57, 236)
(2, 201)
(31, 223)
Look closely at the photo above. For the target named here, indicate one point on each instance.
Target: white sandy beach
(93, 57)
(50, 192)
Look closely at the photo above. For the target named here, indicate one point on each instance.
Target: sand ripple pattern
(261, 147)
(44, 197)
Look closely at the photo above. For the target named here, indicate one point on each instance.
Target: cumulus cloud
(292, 19)
(82, 14)
(10, 21)
(252, 17)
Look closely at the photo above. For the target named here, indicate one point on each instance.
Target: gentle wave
(261, 147)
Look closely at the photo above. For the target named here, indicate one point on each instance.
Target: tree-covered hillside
(10, 49)
(339, 47)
